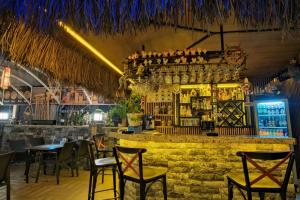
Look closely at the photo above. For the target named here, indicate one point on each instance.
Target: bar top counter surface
(197, 164)
(184, 138)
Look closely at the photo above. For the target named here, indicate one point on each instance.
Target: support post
(222, 37)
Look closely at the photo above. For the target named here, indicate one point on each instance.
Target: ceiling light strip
(92, 49)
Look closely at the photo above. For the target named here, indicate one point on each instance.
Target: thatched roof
(27, 46)
(131, 15)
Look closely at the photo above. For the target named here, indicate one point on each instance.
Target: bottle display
(272, 118)
(230, 106)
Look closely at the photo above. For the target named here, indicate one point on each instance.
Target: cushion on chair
(148, 172)
(102, 162)
(265, 182)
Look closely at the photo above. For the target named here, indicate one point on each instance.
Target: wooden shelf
(164, 126)
(159, 102)
(163, 115)
(195, 117)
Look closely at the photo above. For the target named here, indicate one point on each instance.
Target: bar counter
(198, 165)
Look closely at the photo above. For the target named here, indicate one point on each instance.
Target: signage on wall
(10, 96)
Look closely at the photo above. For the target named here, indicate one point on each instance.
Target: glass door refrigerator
(272, 118)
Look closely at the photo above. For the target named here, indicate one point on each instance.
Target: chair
(101, 148)
(19, 149)
(130, 166)
(97, 166)
(36, 141)
(4, 172)
(264, 181)
(66, 159)
(83, 152)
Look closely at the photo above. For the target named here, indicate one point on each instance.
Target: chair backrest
(83, 150)
(66, 152)
(36, 141)
(281, 157)
(4, 166)
(129, 159)
(18, 145)
(99, 141)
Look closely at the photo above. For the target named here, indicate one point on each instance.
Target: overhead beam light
(92, 49)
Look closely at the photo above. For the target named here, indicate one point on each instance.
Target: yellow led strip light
(92, 49)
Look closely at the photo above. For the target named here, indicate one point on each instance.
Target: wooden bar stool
(130, 167)
(264, 181)
(101, 149)
(98, 166)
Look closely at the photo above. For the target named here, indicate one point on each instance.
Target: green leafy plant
(118, 111)
(134, 104)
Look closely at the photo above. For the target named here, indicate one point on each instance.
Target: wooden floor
(70, 188)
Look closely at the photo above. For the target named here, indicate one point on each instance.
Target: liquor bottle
(282, 111)
(261, 123)
(284, 122)
(266, 109)
(277, 109)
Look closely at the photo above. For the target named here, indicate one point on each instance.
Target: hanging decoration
(234, 55)
(117, 16)
(5, 79)
(185, 66)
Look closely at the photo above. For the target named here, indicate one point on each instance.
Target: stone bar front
(198, 165)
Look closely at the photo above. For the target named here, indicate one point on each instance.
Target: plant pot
(123, 123)
(135, 119)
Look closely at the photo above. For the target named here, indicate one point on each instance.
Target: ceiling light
(92, 49)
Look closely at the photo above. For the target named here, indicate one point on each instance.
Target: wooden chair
(264, 181)
(83, 152)
(4, 172)
(36, 141)
(66, 158)
(130, 167)
(19, 148)
(101, 148)
(98, 166)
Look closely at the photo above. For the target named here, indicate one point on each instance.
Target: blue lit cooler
(272, 118)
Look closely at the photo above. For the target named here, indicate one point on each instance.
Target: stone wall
(10, 132)
(197, 170)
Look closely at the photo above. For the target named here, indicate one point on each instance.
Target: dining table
(38, 152)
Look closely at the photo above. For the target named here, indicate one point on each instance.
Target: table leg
(27, 167)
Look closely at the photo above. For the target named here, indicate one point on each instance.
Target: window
(98, 116)
(4, 116)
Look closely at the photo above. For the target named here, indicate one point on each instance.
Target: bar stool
(101, 148)
(97, 166)
(130, 167)
(264, 181)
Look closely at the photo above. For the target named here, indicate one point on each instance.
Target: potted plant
(134, 110)
(118, 113)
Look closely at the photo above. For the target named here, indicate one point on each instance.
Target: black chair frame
(102, 150)
(246, 156)
(144, 188)
(96, 170)
(5, 160)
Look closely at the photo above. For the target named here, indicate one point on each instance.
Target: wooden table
(39, 151)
